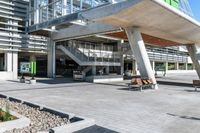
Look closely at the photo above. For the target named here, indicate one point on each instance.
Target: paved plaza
(171, 109)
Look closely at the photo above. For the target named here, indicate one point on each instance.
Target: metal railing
(160, 54)
(88, 52)
(60, 8)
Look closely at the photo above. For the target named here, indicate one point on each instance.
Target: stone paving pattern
(171, 109)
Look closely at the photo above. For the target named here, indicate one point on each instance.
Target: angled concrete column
(138, 48)
(192, 52)
(134, 67)
(51, 59)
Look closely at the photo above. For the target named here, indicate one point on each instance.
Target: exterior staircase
(86, 59)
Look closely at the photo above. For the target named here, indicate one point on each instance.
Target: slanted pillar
(134, 67)
(94, 71)
(192, 52)
(138, 48)
(51, 68)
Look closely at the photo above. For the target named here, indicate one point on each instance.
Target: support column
(192, 52)
(138, 48)
(107, 70)
(134, 67)
(186, 66)
(177, 65)
(153, 65)
(11, 64)
(120, 50)
(94, 70)
(51, 68)
(166, 66)
(8, 60)
(64, 8)
(15, 65)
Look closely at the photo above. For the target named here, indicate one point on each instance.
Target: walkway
(171, 109)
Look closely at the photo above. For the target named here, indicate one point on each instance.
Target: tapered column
(138, 48)
(134, 67)
(51, 59)
(192, 52)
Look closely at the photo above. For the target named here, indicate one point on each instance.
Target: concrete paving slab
(171, 109)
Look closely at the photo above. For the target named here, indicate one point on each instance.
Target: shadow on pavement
(96, 129)
(46, 88)
(175, 83)
(192, 91)
(184, 117)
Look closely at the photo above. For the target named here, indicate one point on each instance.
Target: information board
(25, 67)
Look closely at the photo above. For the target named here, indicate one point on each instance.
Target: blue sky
(195, 5)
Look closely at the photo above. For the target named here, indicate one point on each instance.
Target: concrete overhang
(154, 17)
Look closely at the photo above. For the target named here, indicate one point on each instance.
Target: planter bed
(6, 116)
(44, 119)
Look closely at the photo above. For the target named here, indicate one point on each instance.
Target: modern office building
(102, 39)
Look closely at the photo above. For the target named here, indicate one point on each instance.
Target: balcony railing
(60, 8)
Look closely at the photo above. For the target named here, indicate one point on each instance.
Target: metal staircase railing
(90, 58)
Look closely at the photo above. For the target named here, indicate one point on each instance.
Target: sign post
(25, 68)
(33, 69)
(28, 68)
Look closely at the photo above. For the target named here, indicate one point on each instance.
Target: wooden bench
(196, 84)
(141, 83)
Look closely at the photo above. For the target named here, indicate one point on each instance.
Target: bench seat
(196, 84)
(141, 83)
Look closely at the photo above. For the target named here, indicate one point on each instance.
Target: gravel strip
(40, 120)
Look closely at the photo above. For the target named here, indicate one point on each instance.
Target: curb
(75, 123)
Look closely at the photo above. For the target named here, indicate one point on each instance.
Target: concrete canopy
(154, 17)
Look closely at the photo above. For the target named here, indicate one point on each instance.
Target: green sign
(33, 67)
(174, 3)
